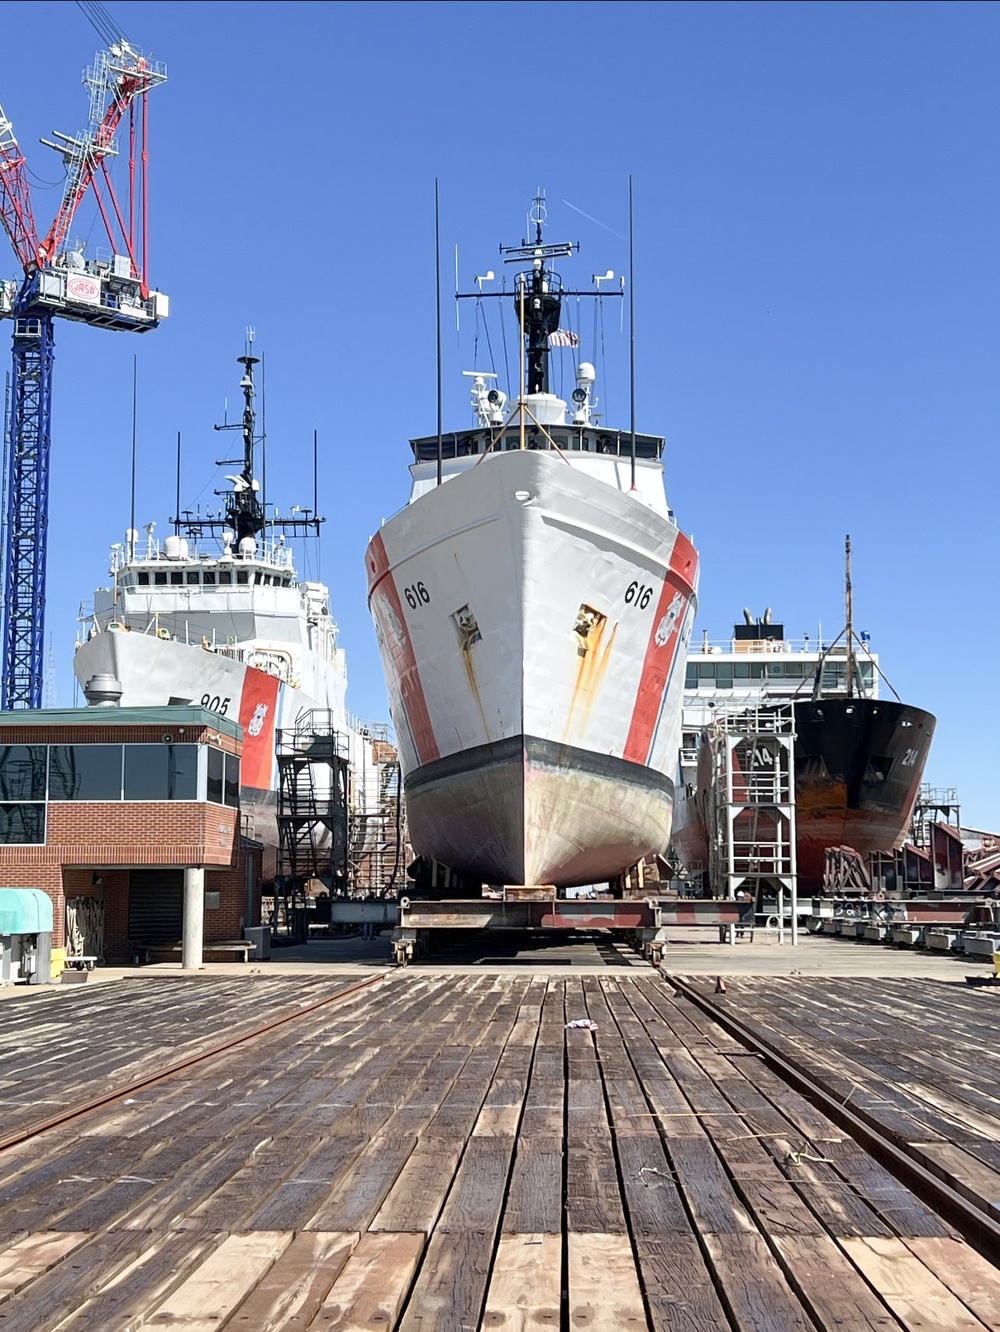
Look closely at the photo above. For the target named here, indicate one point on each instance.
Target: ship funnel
(103, 691)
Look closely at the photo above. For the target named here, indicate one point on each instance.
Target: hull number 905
(417, 595)
(638, 594)
(215, 704)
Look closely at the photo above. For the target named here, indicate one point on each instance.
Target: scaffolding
(752, 809)
(377, 844)
(312, 814)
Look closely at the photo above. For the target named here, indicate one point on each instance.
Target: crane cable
(102, 22)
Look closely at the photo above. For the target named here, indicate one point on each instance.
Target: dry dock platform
(421, 1150)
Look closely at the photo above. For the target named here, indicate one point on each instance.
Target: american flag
(562, 337)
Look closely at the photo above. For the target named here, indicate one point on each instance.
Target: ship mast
(849, 630)
(244, 511)
(539, 294)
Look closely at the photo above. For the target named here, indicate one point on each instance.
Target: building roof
(169, 717)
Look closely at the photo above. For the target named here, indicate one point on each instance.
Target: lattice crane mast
(107, 289)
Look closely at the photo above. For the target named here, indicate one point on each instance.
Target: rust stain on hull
(594, 654)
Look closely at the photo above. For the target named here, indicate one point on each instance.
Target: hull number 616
(417, 595)
(638, 594)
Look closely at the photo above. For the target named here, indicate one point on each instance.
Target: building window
(85, 772)
(161, 772)
(232, 790)
(22, 772)
(22, 825)
(216, 775)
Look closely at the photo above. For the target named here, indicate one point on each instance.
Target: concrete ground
(689, 953)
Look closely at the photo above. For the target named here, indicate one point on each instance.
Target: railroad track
(973, 1215)
(425, 1150)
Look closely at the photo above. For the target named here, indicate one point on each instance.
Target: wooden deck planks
(445, 1154)
(293, 1291)
(525, 1291)
(604, 1292)
(370, 1291)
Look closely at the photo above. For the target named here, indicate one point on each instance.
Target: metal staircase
(312, 812)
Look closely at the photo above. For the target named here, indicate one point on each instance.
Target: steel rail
(962, 1210)
(62, 1117)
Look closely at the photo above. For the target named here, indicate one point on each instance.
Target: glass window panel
(176, 577)
(232, 791)
(85, 772)
(144, 580)
(741, 670)
(21, 824)
(208, 578)
(692, 675)
(216, 775)
(706, 669)
(22, 772)
(160, 579)
(193, 576)
(225, 577)
(161, 772)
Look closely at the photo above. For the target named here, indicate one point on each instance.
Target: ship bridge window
(691, 678)
(176, 577)
(160, 579)
(512, 442)
(242, 576)
(706, 670)
(208, 578)
(724, 675)
(143, 578)
(193, 576)
(741, 670)
(225, 576)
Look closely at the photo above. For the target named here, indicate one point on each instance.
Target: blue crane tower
(107, 288)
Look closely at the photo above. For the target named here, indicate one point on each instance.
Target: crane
(108, 289)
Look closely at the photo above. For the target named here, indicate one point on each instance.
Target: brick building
(109, 806)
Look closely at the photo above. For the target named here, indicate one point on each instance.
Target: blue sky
(817, 201)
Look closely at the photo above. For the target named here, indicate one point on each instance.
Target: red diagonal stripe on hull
(400, 647)
(659, 657)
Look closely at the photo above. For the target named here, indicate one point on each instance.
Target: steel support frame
(27, 512)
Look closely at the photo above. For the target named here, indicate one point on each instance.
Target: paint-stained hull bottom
(529, 811)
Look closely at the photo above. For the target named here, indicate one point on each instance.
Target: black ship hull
(858, 768)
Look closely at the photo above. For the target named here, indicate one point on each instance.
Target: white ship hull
(533, 623)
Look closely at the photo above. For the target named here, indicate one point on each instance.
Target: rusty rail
(964, 1212)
